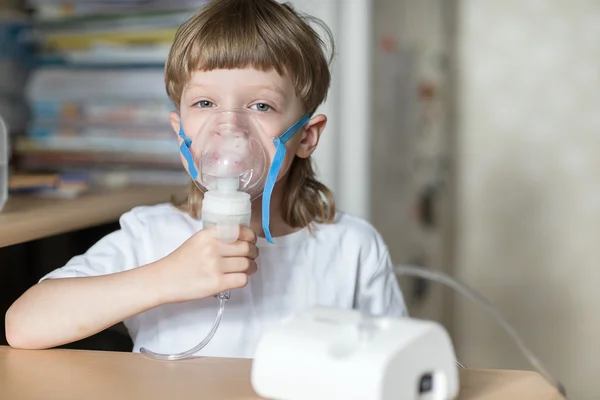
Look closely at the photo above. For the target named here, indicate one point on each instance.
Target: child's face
(269, 96)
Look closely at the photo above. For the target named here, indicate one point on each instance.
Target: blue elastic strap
(274, 172)
(187, 154)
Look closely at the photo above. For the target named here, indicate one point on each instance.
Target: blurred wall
(11, 3)
(528, 97)
(410, 143)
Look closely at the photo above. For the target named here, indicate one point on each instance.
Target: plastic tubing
(223, 297)
(476, 297)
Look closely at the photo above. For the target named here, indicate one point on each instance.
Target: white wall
(410, 140)
(343, 155)
(326, 156)
(529, 140)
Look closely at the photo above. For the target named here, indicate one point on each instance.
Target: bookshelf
(95, 91)
(27, 218)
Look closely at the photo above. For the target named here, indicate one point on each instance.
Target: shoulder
(355, 233)
(375, 276)
(142, 218)
(146, 234)
(155, 231)
(149, 213)
(353, 228)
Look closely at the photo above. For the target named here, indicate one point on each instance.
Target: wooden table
(27, 218)
(72, 374)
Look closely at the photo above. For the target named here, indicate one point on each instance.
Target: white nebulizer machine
(324, 354)
(327, 353)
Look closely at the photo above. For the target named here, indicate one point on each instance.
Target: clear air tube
(476, 297)
(225, 209)
(223, 297)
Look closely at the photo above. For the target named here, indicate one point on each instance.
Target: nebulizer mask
(228, 161)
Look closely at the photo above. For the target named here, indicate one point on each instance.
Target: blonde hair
(266, 35)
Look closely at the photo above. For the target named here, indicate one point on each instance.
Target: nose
(231, 132)
(233, 124)
(230, 117)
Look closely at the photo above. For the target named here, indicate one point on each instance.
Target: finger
(209, 231)
(233, 281)
(247, 234)
(238, 249)
(228, 233)
(253, 268)
(238, 264)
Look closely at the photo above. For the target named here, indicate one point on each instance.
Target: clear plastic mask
(228, 153)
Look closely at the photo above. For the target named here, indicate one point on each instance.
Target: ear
(175, 121)
(311, 135)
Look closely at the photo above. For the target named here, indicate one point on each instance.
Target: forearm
(60, 311)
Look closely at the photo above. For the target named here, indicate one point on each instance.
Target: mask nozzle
(227, 184)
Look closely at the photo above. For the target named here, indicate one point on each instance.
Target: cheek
(290, 154)
(192, 123)
(287, 162)
(269, 153)
(269, 149)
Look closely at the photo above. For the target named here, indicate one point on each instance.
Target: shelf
(27, 218)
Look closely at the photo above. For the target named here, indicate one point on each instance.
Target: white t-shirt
(329, 265)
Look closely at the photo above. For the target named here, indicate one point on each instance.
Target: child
(160, 271)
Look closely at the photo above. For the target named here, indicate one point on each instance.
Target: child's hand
(204, 266)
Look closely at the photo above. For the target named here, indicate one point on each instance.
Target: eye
(261, 107)
(204, 104)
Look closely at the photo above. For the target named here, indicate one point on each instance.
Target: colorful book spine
(84, 40)
(149, 112)
(61, 159)
(66, 84)
(165, 147)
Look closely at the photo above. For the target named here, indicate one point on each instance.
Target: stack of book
(14, 60)
(97, 97)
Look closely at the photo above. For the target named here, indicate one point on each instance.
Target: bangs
(263, 35)
(239, 45)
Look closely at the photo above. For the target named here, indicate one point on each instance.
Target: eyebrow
(272, 88)
(192, 85)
